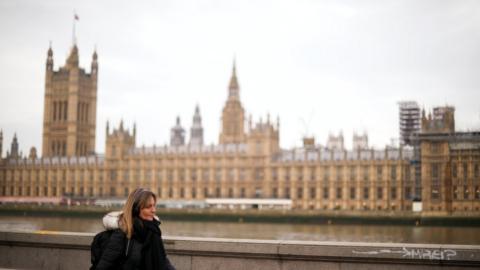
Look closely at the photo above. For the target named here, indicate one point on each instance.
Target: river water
(279, 231)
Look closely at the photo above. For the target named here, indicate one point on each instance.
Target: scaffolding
(409, 121)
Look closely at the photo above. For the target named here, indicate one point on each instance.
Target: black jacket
(122, 253)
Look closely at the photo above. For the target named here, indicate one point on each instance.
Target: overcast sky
(322, 66)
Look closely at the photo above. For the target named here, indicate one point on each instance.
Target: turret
(360, 142)
(335, 142)
(442, 121)
(233, 88)
(72, 60)
(177, 134)
(196, 131)
(49, 59)
(33, 153)
(14, 148)
(118, 142)
(263, 138)
(94, 69)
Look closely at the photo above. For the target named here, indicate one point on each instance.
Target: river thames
(278, 231)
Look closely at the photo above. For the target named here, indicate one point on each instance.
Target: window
(113, 175)
(465, 172)
(231, 174)
(258, 192)
(274, 174)
(393, 193)
(148, 175)
(352, 193)
(435, 193)
(408, 193)
(379, 173)
(339, 193)
(435, 148)
(287, 192)
(406, 173)
(466, 193)
(393, 173)
(454, 170)
(366, 194)
(275, 192)
(193, 175)
(434, 171)
(299, 174)
(259, 174)
(230, 193)
(299, 193)
(477, 192)
(339, 173)
(326, 193)
(242, 192)
(205, 175)
(353, 173)
(365, 173)
(312, 174)
(379, 193)
(313, 193)
(137, 175)
(243, 174)
(181, 175)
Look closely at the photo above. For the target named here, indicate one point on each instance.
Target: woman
(136, 242)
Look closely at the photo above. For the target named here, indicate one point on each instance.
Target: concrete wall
(55, 250)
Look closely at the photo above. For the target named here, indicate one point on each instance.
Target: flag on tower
(76, 17)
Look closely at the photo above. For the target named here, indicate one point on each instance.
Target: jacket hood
(110, 220)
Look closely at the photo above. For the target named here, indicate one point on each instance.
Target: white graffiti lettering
(414, 253)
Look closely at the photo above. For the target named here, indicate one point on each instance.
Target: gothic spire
(233, 89)
(196, 131)
(50, 57)
(72, 59)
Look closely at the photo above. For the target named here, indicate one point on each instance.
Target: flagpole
(73, 29)
(74, 39)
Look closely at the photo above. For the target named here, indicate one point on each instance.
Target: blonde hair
(136, 201)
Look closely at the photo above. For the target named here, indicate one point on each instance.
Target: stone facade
(247, 162)
(69, 118)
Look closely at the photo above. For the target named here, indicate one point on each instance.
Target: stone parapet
(64, 250)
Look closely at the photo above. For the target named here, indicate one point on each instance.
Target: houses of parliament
(438, 167)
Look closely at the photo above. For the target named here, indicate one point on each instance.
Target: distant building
(450, 164)
(409, 121)
(247, 163)
(335, 142)
(360, 142)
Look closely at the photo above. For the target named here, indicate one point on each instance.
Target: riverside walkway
(64, 250)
